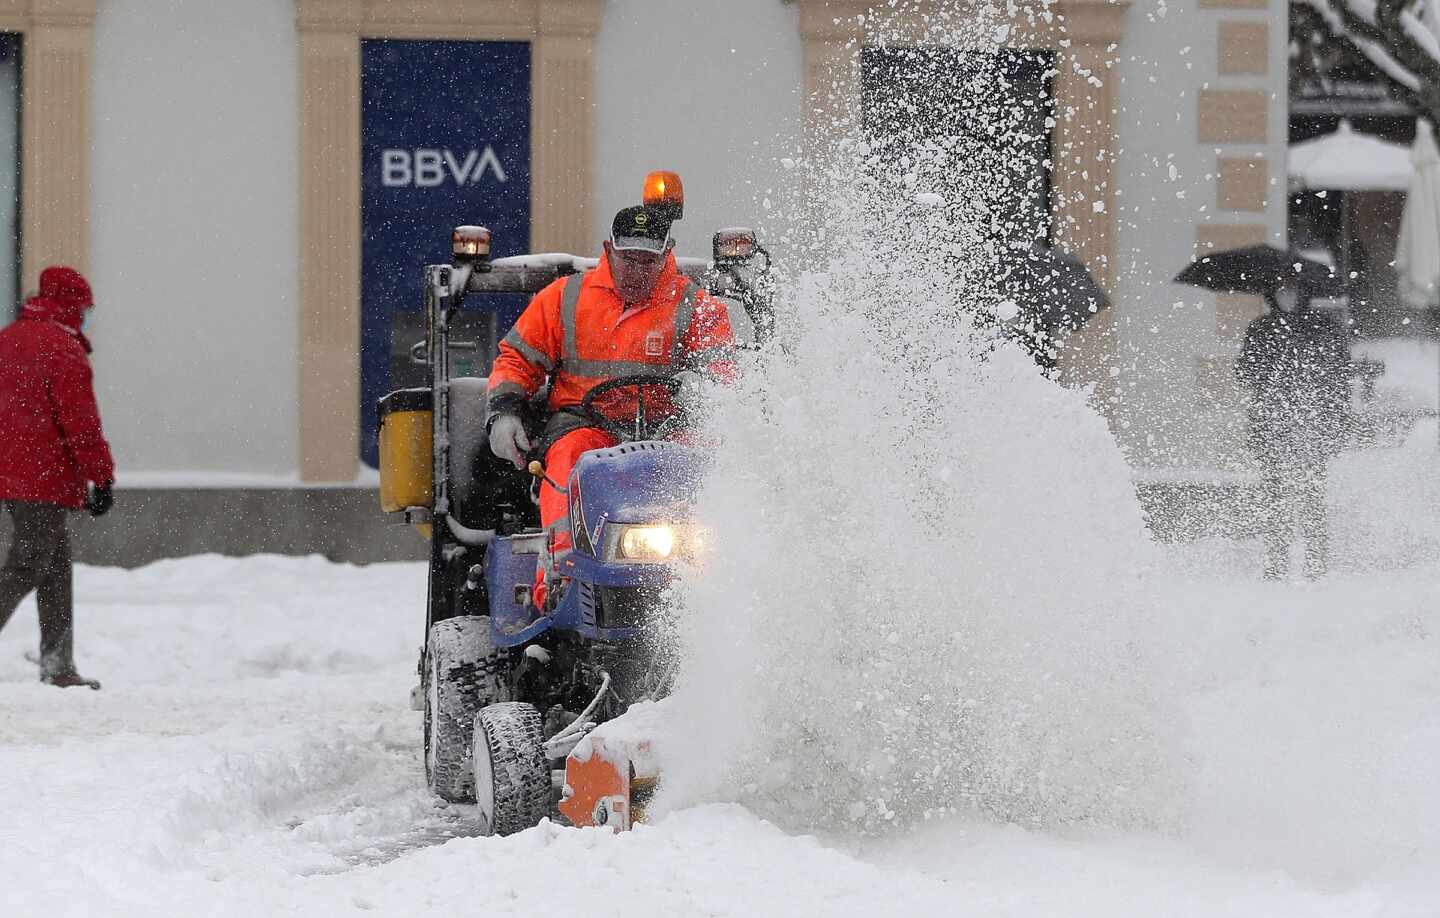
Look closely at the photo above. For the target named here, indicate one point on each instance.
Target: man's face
(635, 273)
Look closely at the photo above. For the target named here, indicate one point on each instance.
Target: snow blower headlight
(657, 542)
(647, 543)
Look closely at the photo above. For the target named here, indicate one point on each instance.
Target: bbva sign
(429, 168)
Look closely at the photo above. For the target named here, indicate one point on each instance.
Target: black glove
(100, 499)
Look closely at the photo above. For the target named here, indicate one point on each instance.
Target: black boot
(70, 679)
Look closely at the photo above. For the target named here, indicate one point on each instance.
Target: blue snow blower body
(641, 483)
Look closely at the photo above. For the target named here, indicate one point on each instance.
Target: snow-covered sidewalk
(252, 754)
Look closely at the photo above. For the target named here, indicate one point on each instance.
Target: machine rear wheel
(512, 776)
(463, 673)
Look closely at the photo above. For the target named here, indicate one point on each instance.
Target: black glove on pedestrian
(100, 499)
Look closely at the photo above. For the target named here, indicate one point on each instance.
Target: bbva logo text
(427, 168)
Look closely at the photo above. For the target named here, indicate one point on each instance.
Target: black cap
(640, 228)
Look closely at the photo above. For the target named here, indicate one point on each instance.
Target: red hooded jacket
(50, 439)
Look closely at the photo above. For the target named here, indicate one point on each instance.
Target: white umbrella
(1417, 254)
(1347, 161)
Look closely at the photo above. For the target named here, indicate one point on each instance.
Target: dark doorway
(994, 110)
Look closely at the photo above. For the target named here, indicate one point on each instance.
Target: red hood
(64, 296)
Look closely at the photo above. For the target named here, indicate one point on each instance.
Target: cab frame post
(438, 303)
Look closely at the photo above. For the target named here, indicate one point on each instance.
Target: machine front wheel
(464, 672)
(512, 776)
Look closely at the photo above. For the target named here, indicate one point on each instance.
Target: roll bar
(532, 273)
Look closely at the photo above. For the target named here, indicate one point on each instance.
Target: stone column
(330, 244)
(832, 32)
(54, 132)
(1084, 186)
(562, 138)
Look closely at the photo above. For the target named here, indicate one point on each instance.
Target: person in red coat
(53, 458)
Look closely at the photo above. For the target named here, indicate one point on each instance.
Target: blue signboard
(445, 140)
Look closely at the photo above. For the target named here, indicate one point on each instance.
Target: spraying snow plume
(926, 591)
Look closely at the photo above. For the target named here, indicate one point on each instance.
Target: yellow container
(406, 453)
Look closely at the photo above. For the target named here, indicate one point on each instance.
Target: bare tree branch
(1389, 21)
(1367, 38)
(1391, 36)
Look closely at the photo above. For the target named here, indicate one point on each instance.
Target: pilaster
(54, 131)
(329, 253)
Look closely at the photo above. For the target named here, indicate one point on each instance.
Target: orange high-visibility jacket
(578, 330)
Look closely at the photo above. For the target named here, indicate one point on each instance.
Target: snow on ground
(252, 753)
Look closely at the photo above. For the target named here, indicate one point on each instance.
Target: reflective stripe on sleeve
(504, 398)
(507, 388)
(531, 354)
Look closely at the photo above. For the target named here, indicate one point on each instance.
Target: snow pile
(246, 619)
(1384, 504)
(1315, 713)
(925, 595)
(1412, 371)
(253, 722)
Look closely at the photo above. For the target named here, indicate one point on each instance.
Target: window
(992, 112)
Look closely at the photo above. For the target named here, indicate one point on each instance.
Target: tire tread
(513, 734)
(470, 674)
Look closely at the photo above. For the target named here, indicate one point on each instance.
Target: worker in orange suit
(633, 314)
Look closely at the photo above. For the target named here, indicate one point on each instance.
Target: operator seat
(483, 489)
(468, 404)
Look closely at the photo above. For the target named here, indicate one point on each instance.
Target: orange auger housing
(611, 774)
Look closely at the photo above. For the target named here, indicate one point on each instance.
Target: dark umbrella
(1260, 270)
(1054, 290)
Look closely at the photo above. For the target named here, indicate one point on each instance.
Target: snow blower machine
(520, 705)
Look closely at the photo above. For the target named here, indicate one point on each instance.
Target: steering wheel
(643, 427)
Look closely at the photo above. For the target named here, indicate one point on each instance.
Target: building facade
(219, 169)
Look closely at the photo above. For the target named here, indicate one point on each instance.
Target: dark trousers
(1294, 495)
(39, 560)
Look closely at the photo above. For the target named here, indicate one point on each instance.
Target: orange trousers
(560, 460)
